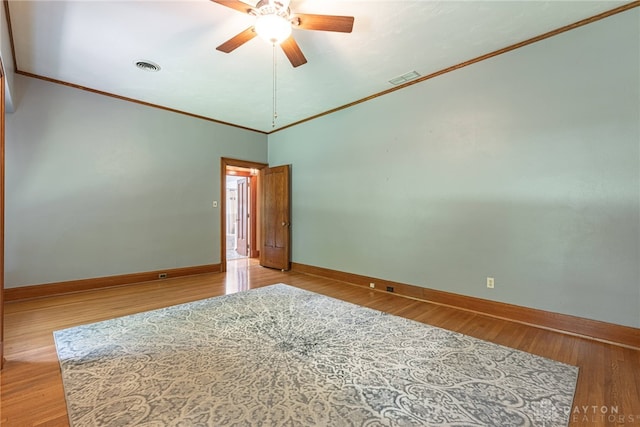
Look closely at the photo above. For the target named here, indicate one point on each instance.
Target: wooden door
(276, 217)
(242, 238)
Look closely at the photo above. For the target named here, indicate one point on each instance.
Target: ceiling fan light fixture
(273, 28)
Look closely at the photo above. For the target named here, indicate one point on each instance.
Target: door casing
(2, 95)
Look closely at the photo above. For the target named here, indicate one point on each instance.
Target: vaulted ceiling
(96, 44)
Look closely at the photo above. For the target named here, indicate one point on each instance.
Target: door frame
(224, 162)
(2, 160)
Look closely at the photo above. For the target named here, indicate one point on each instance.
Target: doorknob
(284, 224)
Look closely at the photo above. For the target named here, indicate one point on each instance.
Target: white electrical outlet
(372, 285)
(215, 204)
(490, 282)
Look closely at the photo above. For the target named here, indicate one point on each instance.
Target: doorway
(241, 213)
(240, 210)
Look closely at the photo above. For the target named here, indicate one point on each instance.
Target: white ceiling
(94, 44)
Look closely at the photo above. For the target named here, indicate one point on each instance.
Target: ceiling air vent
(407, 77)
(148, 66)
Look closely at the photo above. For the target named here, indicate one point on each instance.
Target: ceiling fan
(274, 22)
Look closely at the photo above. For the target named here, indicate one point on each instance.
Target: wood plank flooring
(32, 395)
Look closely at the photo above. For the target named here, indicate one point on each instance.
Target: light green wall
(524, 167)
(96, 186)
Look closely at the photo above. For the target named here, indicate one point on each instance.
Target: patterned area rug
(281, 356)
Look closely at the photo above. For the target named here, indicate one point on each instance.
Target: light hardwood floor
(32, 395)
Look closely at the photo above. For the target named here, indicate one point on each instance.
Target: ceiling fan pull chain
(275, 92)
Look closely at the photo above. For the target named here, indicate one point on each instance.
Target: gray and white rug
(282, 356)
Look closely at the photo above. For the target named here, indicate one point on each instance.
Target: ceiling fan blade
(235, 4)
(238, 40)
(341, 24)
(293, 52)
